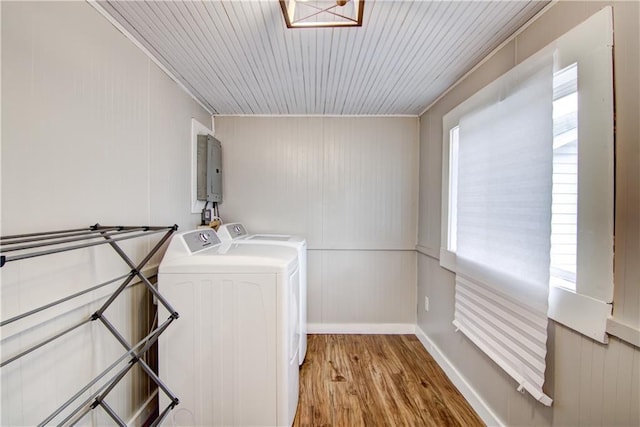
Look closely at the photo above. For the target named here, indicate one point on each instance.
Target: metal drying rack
(18, 247)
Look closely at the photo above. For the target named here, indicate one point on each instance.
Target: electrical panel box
(209, 169)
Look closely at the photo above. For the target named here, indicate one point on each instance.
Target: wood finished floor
(376, 380)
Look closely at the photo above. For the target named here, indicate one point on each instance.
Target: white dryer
(236, 232)
(231, 357)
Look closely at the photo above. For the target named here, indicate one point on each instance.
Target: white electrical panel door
(209, 169)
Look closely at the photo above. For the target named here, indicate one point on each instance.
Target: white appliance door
(219, 357)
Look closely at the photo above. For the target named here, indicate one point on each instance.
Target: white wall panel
(370, 183)
(68, 103)
(314, 286)
(347, 183)
(169, 157)
(368, 287)
(92, 132)
(272, 174)
(626, 306)
(430, 184)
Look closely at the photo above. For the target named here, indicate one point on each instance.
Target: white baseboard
(361, 328)
(469, 393)
(144, 412)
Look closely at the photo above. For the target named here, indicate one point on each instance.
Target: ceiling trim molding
(320, 115)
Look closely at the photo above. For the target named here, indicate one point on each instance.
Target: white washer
(231, 357)
(237, 233)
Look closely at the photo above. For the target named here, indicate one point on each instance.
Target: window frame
(590, 45)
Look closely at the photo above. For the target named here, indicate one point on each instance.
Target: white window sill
(448, 260)
(580, 313)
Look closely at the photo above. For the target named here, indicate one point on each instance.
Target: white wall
(92, 131)
(591, 383)
(349, 186)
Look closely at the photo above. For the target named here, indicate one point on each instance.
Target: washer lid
(185, 255)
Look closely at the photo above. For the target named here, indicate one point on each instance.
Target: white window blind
(504, 194)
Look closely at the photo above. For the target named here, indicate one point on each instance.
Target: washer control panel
(200, 239)
(235, 230)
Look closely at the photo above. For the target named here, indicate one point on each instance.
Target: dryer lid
(277, 238)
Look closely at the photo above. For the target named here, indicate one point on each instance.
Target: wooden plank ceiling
(238, 57)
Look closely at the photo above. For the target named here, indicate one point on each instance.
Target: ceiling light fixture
(322, 13)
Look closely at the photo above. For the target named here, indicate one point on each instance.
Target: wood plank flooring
(376, 380)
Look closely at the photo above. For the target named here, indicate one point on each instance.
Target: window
(564, 204)
(452, 236)
(527, 202)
